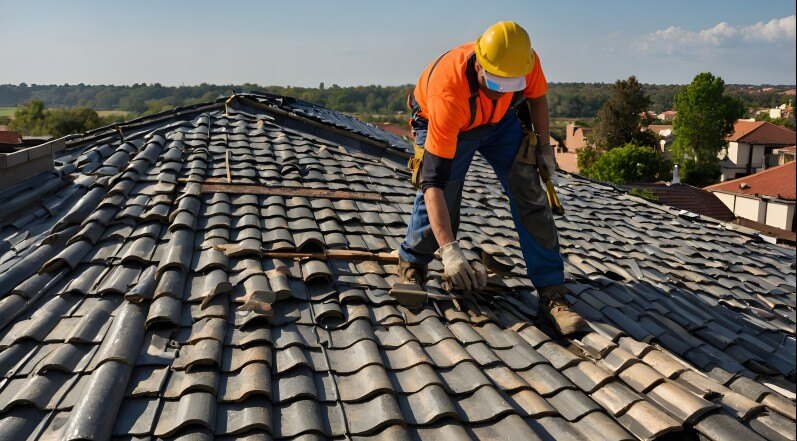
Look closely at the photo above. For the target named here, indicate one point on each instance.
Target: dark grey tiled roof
(121, 316)
(335, 119)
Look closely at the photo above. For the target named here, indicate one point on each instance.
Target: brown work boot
(554, 306)
(411, 273)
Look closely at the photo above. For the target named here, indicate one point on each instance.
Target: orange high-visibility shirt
(443, 99)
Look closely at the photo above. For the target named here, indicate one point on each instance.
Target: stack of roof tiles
(136, 301)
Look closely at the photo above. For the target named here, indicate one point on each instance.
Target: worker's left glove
(546, 161)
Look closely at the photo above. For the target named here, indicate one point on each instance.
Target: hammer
(412, 295)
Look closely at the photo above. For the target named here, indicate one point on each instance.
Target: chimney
(675, 178)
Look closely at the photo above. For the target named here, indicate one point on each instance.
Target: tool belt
(527, 153)
(414, 164)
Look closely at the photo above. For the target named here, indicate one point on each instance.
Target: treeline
(567, 100)
(583, 100)
(142, 99)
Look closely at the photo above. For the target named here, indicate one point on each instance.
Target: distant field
(112, 113)
(9, 111)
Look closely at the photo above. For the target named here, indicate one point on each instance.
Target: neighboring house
(140, 299)
(566, 159)
(782, 111)
(751, 146)
(785, 154)
(767, 197)
(554, 143)
(667, 115)
(9, 137)
(648, 115)
(576, 137)
(665, 132)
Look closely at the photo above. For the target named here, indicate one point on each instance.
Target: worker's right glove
(462, 274)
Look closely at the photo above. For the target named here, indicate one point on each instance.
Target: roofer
(471, 99)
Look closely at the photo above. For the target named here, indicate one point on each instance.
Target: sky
(304, 43)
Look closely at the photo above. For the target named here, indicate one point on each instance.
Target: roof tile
(679, 402)
(645, 421)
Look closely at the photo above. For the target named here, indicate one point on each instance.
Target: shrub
(629, 164)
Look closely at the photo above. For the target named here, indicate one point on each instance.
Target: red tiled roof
(761, 132)
(693, 199)
(742, 128)
(656, 128)
(10, 137)
(775, 182)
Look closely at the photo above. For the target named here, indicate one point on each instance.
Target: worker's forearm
(540, 119)
(437, 211)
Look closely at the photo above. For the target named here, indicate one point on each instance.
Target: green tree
(30, 118)
(619, 120)
(61, 122)
(133, 104)
(155, 106)
(699, 174)
(34, 120)
(705, 117)
(586, 157)
(629, 164)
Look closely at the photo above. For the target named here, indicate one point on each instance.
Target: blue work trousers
(499, 145)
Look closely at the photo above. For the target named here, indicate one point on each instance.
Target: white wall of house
(738, 150)
(739, 154)
(728, 199)
(758, 157)
(777, 214)
(729, 173)
(751, 208)
(780, 215)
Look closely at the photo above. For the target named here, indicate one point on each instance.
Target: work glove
(546, 161)
(462, 274)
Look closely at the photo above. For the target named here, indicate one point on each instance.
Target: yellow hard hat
(505, 50)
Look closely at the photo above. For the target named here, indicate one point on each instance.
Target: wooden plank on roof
(221, 187)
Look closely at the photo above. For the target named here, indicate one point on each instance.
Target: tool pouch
(530, 199)
(414, 164)
(527, 153)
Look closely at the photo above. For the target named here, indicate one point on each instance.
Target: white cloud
(678, 40)
(782, 29)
